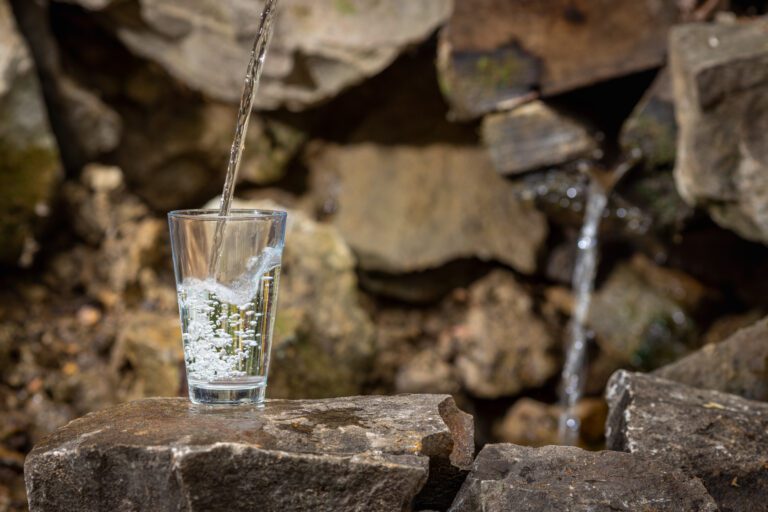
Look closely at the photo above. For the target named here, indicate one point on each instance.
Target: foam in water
(583, 286)
(227, 329)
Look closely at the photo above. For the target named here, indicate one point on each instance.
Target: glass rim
(236, 214)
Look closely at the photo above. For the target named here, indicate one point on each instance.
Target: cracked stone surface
(506, 477)
(359, 453)
(718, 437)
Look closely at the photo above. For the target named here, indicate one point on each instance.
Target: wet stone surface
(359, 453)
(718, 437)
(506, 477)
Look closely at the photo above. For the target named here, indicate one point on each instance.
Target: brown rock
(720, 80)
(407, 208)
(151, 344)
(502, 347)
(360, 453)
(185, 147)
(738, 365)
(533, 136)
(533, 423)
(495, 53)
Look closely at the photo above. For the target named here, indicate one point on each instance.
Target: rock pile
(434, 157)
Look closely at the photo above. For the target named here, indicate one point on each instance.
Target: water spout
(574, 371)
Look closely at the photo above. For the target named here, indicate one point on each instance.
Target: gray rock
(652, 128)
(738, 365)
(320, 47)
(534, 136)
(720, 80)
(360, 453)
(506, 477)
(720, 438)
(322, 348)
(29, 157)
(494, 54)
(409, 208)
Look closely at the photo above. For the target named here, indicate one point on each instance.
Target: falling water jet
(252, 78)
(601, 184)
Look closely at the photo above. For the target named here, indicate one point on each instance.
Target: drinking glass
(227, 275)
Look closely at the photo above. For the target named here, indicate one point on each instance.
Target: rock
(414, 348)
(360, 453)
(127, 237)
(727, 325)
(652, 129)
(29, 157)
(151, 343)
(433, 204)
(652, 193)
(185, 147)
(738, 365)
(320, 47)
(86, 127)
(427, 372)
(425, 287)
(322, 348)
(502, 347)
(534, 136)
(720, 438)
(94, 5)
(506, 477)
(495, 53)
(533, 423)
(720, 79)
(642, 314)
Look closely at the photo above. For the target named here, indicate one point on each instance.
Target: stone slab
(506, 477)
(718, 437)
(358, 453)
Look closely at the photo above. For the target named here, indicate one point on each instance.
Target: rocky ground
(434, 176)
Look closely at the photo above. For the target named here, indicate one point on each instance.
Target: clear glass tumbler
(227, 299)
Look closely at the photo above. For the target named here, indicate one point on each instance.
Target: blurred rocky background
(432, 155)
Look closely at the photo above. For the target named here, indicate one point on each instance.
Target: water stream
(252, 77)
(585, 270)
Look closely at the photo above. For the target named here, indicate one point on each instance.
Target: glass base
(207, 393)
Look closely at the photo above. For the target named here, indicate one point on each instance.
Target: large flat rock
(720, 83)
(496, 53)
(405, 208)
(718, 437)
(359, 453)
(738, 365)
(506, 477)
(319, 48)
